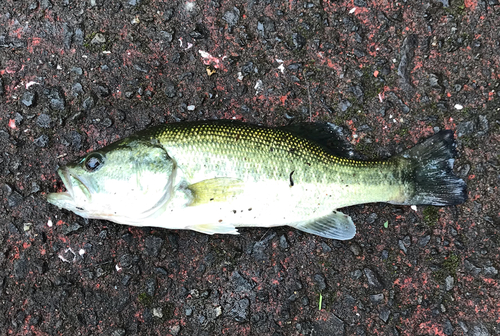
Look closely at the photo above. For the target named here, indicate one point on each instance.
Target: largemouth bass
(216, 176)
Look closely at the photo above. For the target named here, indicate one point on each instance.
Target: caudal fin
(432, 172)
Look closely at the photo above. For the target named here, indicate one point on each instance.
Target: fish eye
(93, 162)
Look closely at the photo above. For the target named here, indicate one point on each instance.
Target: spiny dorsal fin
(327, 135)
(219, 189)
(334, 226)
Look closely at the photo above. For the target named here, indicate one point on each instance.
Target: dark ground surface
(77, 75)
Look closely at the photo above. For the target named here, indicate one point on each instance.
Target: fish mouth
(67, 199)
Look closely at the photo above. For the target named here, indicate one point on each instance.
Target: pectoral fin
(334, 226)
(214, 228)
(220, 189)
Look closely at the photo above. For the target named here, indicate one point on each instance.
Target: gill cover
(125, 182)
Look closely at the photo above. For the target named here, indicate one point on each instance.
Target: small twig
(265, 233)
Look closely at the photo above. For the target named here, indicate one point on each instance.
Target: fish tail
(431, 172)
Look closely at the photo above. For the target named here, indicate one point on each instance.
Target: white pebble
(258, 86)
(157, 312)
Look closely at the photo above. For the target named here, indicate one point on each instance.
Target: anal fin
(334, 226)
(214, 228)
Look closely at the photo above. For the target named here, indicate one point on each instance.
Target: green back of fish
(206, 150)
(254, 152)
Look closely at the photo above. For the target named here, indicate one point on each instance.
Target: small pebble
(119, 332)
(76, 89)
(153, 245)
(56, 99)
(14, 199)
(422, 242)
(283, 242)
(174, 330)
(490, 271)
(384, 314)
(170, 90)
(448, 327)
(298, 41)
(384, 255)
(42, 141)
(356, 274)
(77, 71)
(98, 38)
(471, 268)
(28, 98)
(320, 281)
(325, 247)
(43, 121)
(232, 16)
(157, 312)
(449, 283)
(355, 249)
(88, 103)
(377, 298)
(372, 278)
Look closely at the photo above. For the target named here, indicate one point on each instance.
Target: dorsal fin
(327, 135)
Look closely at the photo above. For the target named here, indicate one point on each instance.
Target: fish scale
(216, 176)
(268, 151)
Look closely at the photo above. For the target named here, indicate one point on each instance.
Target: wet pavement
(77, 75)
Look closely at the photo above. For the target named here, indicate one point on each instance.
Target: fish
(217, 176)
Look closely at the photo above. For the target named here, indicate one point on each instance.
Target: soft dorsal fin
(327, 135)
(219, 189)
(336, 225)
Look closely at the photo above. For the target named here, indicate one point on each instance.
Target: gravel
(78, 75)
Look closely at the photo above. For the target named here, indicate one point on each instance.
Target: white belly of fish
(263, 204)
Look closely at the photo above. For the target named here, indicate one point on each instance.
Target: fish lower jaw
(60, 199)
